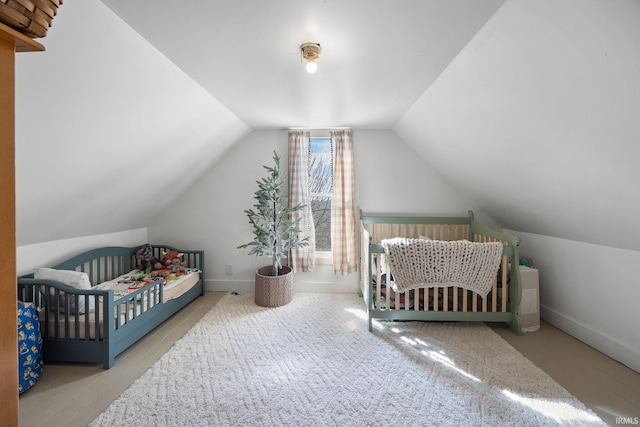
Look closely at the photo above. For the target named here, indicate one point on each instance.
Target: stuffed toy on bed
(171, 263)
(146, 260)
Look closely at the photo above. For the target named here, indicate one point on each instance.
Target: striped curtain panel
(343, 205)
(301, 259)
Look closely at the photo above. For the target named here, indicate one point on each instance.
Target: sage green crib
(450, 303)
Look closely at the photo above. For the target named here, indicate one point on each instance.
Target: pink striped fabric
(302, 258)
(343, 205)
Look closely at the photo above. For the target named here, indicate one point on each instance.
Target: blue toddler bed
(118, 306)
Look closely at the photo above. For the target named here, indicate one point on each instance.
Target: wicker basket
(274, 291)
(30, 17)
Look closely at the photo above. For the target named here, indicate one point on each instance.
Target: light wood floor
(607, 387)
(73, 395)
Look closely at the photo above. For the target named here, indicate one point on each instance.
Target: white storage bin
(530, 305)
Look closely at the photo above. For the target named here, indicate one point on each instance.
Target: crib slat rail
(447, 303)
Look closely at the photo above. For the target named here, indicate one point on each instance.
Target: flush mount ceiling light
(310, 52)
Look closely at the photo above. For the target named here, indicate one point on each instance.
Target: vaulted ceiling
(529, 107)
(378, 56)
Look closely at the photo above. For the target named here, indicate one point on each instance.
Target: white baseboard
(242, 286)
(606, 344)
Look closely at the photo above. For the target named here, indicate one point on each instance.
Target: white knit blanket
(419, 263)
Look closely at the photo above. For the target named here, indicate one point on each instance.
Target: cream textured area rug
(314, 363)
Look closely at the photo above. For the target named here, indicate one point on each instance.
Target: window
(327, 194)
(320, 190)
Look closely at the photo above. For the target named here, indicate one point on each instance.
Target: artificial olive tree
(275, 233)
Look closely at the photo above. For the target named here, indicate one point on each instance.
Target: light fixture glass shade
(312, 67)
(310, 52)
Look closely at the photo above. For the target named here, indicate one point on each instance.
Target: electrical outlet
(229, 270)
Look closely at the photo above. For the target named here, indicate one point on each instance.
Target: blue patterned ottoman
(29, 347)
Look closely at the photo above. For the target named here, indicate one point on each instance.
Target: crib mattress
(128, 312)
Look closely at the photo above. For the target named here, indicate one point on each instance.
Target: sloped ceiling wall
(378, 56)
(108, 131)
(537, 120)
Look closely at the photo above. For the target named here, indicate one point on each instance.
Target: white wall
(590, 291)
(390, 178)
(108, 131)
(52, 253)
(537, 118)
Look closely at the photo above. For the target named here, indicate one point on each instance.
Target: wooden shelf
(11, 41)
(21, 42)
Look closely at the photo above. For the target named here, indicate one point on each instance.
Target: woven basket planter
(274, 291)
(30, 17)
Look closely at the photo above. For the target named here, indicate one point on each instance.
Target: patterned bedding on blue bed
(136, 279)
